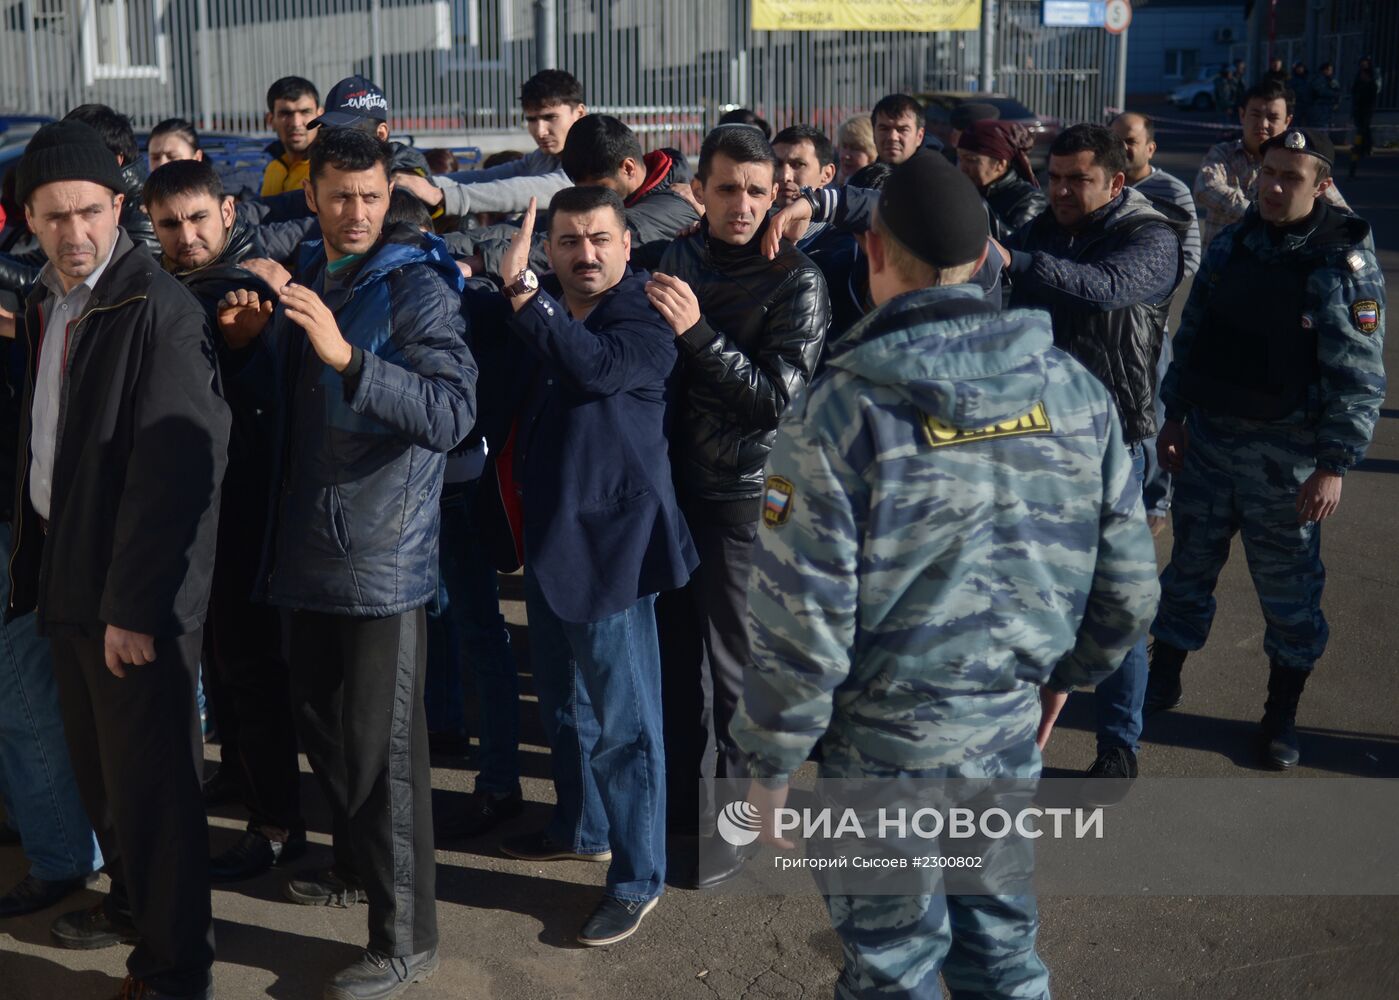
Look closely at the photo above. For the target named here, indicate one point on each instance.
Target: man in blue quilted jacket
(365, 351)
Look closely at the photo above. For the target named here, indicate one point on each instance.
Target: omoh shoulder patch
(941, 435)
(1365, 314)
(777, 501)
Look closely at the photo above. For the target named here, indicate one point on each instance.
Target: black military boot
(1163, 690)
(1280, 749)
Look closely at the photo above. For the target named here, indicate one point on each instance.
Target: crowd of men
(850, 450)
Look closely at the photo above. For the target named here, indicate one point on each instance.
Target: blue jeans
(36, 777)
(466, 613)
(1119, 698)
(599, 688)
(1157, 491)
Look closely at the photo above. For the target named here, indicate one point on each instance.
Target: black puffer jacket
(1012, 201)
(19, 273)
(754, 349)
(359, 455)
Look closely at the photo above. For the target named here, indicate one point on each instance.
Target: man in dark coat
(366, 355)
(122, 442)
(204, 246)
(603, 535)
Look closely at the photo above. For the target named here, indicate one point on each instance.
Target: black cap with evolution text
(934, 210)
(354, 101)
(1314, 141)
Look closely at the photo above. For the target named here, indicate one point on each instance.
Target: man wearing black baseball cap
(122, 441)
(355, 102)
(1279, 354)
(949, 541)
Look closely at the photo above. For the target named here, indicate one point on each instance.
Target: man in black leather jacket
(19, 273)
(203, 244)
(1105, 264)
(749, 331)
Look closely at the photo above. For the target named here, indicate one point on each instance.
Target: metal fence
(455, 66)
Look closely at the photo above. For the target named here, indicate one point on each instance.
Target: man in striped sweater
(1138, 134)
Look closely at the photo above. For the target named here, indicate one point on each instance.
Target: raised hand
(243, 317)
(305, 308)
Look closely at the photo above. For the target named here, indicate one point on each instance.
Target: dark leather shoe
(704, 862)
(326, 888)
(35, 894)
(541, 847)
(484, 811)
(720, 862)
(255, 854)
(134, 989)
(221, 788)
(614, 920)
(9, 836)
(379, 977)
(90, 929)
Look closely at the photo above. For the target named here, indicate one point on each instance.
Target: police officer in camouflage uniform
(1274, 393)
(951, 540)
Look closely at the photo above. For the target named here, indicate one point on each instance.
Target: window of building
(1180, 63)
(124, 40)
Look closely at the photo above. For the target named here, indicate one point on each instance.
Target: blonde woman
(855, 143)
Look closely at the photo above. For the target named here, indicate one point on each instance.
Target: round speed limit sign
(1117, 16)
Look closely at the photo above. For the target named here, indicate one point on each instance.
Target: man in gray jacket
(552, 100)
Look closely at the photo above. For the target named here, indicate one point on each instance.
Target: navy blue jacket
(601, 525)
(359, 457)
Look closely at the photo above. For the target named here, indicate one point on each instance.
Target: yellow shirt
(279, 177)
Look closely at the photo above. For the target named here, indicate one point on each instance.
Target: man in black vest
(1274, 393)
(1105, 263)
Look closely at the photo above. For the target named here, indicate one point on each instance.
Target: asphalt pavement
(508, 927)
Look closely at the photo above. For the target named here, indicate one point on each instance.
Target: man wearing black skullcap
(950, 541)
(1276, 385)
(1104, 262)
(19, 273)
(122, 439)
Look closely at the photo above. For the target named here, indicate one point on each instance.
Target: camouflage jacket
(1343, 301)
(949, 522)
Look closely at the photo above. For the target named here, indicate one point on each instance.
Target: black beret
(934, 210)
(1304, 140)
(66, 151)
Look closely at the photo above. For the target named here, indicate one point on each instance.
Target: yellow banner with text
(866, 15)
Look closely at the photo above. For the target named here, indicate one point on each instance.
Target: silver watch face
(528, 280)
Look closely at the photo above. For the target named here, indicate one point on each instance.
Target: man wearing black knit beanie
(122, 441)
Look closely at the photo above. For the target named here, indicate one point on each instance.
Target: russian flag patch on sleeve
(777, 501)
(1366, 315)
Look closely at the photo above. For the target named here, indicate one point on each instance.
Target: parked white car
(1198, 94)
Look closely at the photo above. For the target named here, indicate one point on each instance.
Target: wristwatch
(525, 282)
